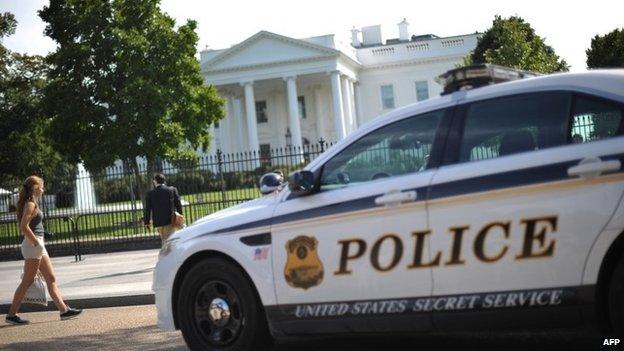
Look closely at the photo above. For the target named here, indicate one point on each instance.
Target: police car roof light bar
(470, 77)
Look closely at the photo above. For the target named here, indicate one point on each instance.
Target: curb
(114, 301)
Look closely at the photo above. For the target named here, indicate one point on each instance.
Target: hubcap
(218, 313)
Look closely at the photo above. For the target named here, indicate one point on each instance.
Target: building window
(422, 90)
(301, 105)
(387, 97)
(261, 115)
(265, 154)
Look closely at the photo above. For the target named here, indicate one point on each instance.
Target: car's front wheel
(218, 309)
(616, 298)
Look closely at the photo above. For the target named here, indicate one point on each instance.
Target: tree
(125, 83)
(513, 43)
(606, 51)
(24, 146)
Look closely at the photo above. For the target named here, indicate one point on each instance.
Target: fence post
(220, 163)
(133, 204)
(322, 142)
(44, 206)
(76, 237)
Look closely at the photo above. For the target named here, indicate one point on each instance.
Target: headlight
(167, 247)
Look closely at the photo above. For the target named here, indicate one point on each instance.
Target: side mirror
(302, 183)
(270, 182)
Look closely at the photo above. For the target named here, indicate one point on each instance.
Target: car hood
(251, 211)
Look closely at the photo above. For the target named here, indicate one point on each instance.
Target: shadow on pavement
(133, 339)
(151, 338)
(142, 271)
(482, 341)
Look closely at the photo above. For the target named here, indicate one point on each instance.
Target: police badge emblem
(303, 267)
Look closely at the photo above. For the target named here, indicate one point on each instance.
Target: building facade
(283, 92)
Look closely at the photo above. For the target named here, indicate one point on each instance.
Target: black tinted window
(510, 125)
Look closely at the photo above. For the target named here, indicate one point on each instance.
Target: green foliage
(25, 148)
(193, 181)
(125, 83)
(115, 189)
(607, 51)
(8, 23)
(513, 43)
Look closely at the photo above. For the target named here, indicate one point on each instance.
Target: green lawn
(119, 220)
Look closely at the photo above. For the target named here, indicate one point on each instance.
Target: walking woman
(36, 258)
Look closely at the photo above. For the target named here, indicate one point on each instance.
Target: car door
(347, 255)
(531, 180)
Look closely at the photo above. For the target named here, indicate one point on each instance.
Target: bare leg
(48, 274)
(30, 270)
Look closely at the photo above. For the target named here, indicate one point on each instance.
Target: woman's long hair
(26, 194)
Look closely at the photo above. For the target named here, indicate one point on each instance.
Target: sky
(567, 26)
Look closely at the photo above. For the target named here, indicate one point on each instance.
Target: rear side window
(514, 124)
(594, 119)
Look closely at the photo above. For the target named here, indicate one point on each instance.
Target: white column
(213, 145)
(320, 119)
(346, 101)
(250, 106)
(213, 140)
(359, 118)
(352, 104)
(239, 120)
(354, 123)
(339, 124)
(293, 111)
(224, 130)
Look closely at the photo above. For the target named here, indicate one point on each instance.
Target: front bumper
(164, 276)
(164, 310)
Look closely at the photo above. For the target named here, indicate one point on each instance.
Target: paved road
(133, 328)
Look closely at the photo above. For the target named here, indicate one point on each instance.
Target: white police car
(498, 207)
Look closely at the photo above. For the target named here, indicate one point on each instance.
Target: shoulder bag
(176, 218)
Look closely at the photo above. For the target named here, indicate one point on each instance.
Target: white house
(282, 91)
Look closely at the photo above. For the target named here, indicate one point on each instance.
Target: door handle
(593, 166)
(395, 197)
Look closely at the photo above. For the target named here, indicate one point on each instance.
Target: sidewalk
(99, 280)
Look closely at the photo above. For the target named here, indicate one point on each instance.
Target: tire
(616, 298)
(210, 289)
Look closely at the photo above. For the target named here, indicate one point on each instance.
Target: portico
(282, 92)
(286, 92)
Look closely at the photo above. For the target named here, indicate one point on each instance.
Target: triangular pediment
(266, 48)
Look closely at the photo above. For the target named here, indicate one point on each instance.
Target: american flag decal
(261, 253)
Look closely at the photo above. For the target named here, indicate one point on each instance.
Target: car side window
(399, 148)
(594, 119)
(514, 124)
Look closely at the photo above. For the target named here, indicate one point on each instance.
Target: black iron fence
(104, 212)
(89, 213)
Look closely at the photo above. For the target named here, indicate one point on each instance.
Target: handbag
(37, 293)
(176, 218)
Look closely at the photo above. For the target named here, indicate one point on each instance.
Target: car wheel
(616, 298)
(218, 309)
